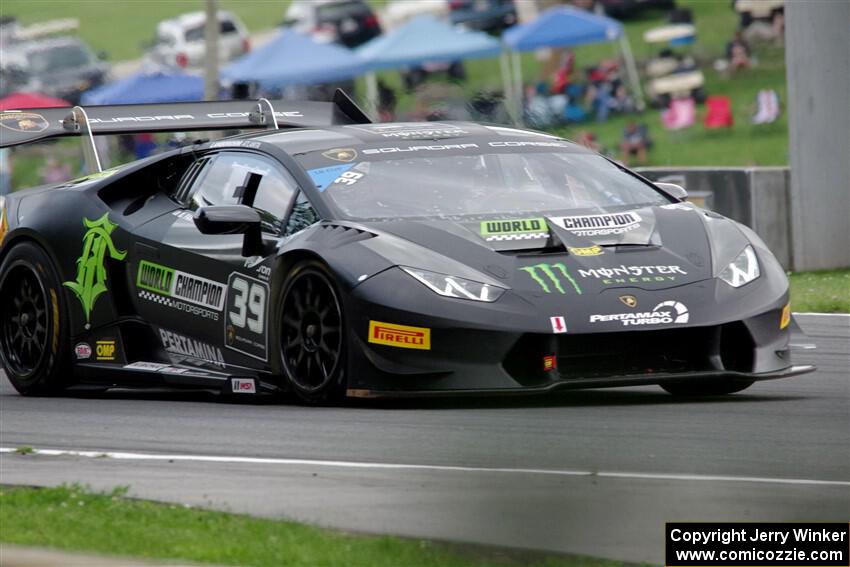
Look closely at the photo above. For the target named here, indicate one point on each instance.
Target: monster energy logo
(91, 273)
(545, 274)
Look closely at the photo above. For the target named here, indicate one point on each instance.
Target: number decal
(245, 329)
(349, 178)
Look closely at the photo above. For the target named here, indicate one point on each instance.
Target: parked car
(62, 67)
(630, 8)
(179, 42)
(348, 22)
(486, 15)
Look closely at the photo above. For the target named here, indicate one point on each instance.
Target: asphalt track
(588, 472)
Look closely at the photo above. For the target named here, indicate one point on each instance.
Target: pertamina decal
(516, 229)
(634, 274)
(181, 291)
(91, 272)
(191, 350)
(598, 225)
(400, 336)
(551, 276)
(665, 313)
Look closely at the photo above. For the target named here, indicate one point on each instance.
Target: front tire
(716, 387)
(312, 338)
(33, 323)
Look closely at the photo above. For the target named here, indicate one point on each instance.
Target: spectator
(588, 139)
(386, 102)
(563, 75)
(55, 172)
(635, 142)
(738, 53)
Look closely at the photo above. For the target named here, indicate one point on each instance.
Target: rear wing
(31, 125)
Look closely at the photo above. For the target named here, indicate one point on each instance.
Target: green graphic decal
(91, 273)
(519, 229)
(551, 273)
(154, 277)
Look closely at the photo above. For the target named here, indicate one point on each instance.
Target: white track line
(824, 314)
(444, 468)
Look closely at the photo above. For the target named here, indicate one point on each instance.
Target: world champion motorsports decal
(599, 225)
(179, 290)
(552, 277)
(517, 229)
(91, 272)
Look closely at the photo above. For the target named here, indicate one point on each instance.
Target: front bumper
(476, 348)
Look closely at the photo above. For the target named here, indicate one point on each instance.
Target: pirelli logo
(400, 336)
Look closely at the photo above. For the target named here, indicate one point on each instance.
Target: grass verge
(826, 291)
(74, 518)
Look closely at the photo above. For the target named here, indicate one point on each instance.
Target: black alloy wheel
(311, 334)
(33, 348)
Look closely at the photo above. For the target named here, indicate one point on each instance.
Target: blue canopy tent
(148, 87)
(295, 59)
(564, 26)
(421, 40)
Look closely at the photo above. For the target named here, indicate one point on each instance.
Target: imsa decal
(180, 285)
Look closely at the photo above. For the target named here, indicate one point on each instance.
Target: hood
(650, 248)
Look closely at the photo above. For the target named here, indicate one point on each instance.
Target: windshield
(58, 59)
(485, 184)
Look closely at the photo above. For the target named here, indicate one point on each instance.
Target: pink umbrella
(21, 100)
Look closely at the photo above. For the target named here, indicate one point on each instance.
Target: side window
(226, 180)
(303, 215)
(272, 199)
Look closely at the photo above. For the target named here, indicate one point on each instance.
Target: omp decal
(559, 324)
(587, 251)
(596, 225)
(192, 350)
(28, 122)
(633, 274)
(54, 301)
(665, 313)
(399, 335)
(247, 306)
(180, 285)
(546, 274)
(785, 318)
(341, 154)
(629, 300)
(243, 386)
(323, 177)
(105, 350)
(82, 351)
(518, 229)
(91, 273)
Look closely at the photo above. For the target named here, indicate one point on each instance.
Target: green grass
(121, 27)
(73, 518)
(825, 291)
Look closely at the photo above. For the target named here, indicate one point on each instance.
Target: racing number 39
(245, 330)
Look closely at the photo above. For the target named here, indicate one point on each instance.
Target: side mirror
(676, 191)
(232, 219)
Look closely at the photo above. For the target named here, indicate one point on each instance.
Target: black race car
(328, 256)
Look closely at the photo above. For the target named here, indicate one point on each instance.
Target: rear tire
(719, 387)
(312, 334)
(33, 323)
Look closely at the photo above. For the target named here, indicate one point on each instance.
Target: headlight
(451, 286)
(743, 270)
